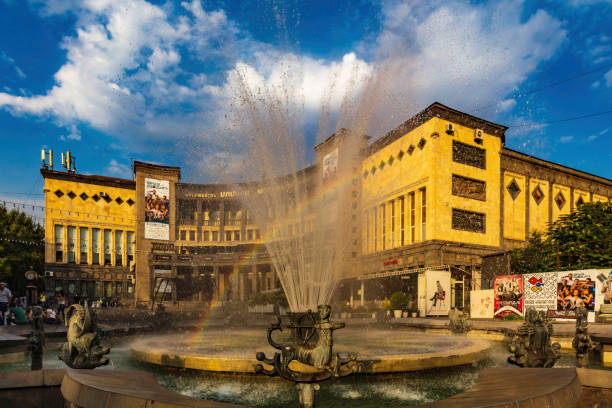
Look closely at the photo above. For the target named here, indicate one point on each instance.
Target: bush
(512, 316)
(399, 301)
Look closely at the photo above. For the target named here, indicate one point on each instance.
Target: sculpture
(458, 321)
(582, 342)
(83, 349)
(531, 345)
(312, 345)
(37, 338)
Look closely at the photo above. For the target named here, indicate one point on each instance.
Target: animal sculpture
(83, 349)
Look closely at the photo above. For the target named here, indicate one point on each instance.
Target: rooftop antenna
(43, 156)
(69, 162)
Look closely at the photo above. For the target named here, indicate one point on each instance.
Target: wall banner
(540, 291)
(157, 209)
(481, 304)
(508, 295)
(578, 288)
(330, 166)
(438, 293)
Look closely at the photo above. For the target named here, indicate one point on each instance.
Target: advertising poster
(508, 295)
(157, 209)
(330, 166)
(575, 289)
(438, 293)
(540, 291)
(481, 304)
(603, 289)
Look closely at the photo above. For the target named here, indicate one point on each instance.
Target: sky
(187, 83)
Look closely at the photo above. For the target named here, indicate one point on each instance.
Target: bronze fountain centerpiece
(311, 343)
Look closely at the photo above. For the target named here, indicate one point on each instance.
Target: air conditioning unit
(130, 277)
(49, 274)
(450, 129)
(478, 134)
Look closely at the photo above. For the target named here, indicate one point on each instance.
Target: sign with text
(540, 290)
(481, 304)
(438, 292)
(508, 295)
(157, 209)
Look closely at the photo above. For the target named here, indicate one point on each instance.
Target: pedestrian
(5, 300)
(61, 304)
(43, 300)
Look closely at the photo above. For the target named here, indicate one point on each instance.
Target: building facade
(437, 193)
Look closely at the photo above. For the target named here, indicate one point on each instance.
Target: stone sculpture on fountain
(83, 349)
(582, 342)
(531, 345)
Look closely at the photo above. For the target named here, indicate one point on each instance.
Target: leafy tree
(21, 247)
(579, 240)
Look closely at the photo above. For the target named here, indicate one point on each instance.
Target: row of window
(213, 236)
(381, 226)
(391, 159)
(102, 196)
(93, 246)
(95, 289)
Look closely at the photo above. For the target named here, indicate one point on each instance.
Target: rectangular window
(129, 289)
(412, 219)
(84, 240)
(206, 235)
(366, 228)
(183, 235)
(375, 223)
(228, 235)
(250, 235)
(107, 247)
(402, 221)
(119, 248)
(71, 244)
(108, 289)
(468, 221)
(95, 246)
(71, 287)
(392, 238)
(97, 289)
(423, 214)
(83, 289)
(383, 217)
(215, 236)
(130, 245)
(192, 235)
(59, 243)
(236, 235)
(470, 155)
(119, 289)
(257, 234)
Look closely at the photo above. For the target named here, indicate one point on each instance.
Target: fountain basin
(379, 351)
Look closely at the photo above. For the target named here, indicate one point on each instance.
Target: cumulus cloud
(74, 134)
(117, 169)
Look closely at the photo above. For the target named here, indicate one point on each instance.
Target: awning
(403, 271)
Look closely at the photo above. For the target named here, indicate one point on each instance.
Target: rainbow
(271, 232)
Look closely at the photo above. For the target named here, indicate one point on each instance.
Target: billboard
(481, 304)
(508, 295)
(157, 209)
(575, 289)
(540, 290)
(438, 292)
(330, 166)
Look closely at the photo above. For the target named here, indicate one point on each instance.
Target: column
(198, 220)
(362, 292)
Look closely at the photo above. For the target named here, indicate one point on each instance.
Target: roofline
(339, 132)
(89, 179)
(556, 166)
(439, 110)
(157, 167)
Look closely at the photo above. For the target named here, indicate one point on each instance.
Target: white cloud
(566, 139)
(117, 169)
(74, 134)
(5, 59)
(608, 78)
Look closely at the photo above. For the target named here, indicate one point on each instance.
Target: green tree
(21, 247)
(579, 240)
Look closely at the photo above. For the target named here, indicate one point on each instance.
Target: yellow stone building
(438, 193)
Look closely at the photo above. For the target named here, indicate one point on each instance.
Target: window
(119, 248)
(119, 289)
(84, 240)
(412, 219)
(228, 235)
(192, 235)
(97, 291)
(183, 235)
(107, 247)
(392, 238)
(215, 236)
(130, 245)
(59, 243)
(366, 228)
(95, 246)
(384, 230)
(108, 289)
(71, 244)
(206, 235)
(402, 221)
(129, 289)
(250, 235)
(257, 234)
(375, 223)
(423, 214)
(236, 235)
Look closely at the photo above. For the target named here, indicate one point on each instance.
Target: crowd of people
(17, 311)
(574, 292)
(157, 208)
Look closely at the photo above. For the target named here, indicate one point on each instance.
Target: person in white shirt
(5, 300)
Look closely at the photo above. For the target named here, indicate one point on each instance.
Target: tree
(579, 240)
(21, 247)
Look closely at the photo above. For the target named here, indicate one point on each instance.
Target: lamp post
(31, 290)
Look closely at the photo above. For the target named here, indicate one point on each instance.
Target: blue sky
(170, 81)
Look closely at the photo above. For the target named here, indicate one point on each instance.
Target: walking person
(5, 300)
(61, 304)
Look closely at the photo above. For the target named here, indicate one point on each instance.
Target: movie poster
(575, 289)
(157, 209)
(508, 295)
(438, 293)
(481, 304)
(330, 166)
(540, 291)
